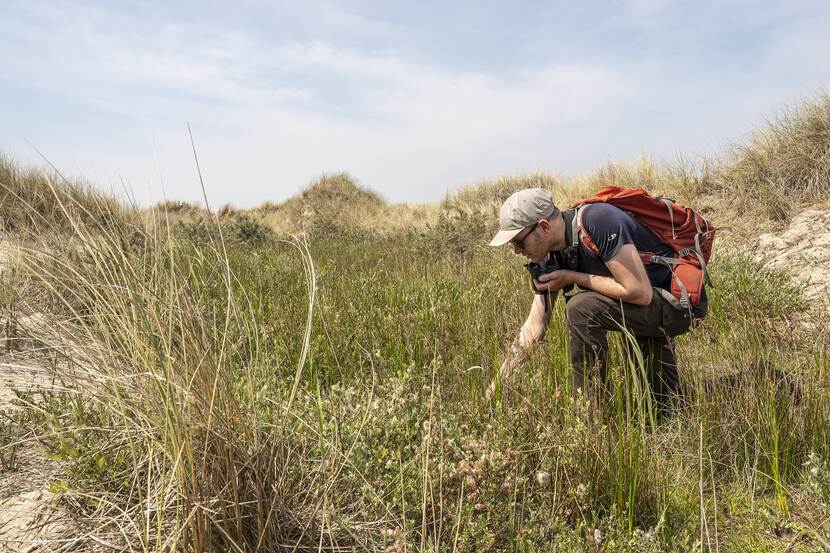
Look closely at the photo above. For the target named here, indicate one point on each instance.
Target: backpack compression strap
(669, 202)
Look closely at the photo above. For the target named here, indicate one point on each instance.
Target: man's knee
(585, 307)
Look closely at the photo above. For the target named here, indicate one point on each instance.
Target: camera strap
(570, 253)
(569, 257)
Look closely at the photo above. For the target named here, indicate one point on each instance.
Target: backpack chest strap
(648, 257)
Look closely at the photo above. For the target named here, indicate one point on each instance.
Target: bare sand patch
(803, 250)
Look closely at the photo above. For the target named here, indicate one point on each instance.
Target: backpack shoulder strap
(580, 234)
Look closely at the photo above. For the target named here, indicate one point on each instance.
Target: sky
(413, 99)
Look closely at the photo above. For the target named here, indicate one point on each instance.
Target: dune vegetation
(310, 375)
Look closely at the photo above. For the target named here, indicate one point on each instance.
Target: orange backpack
(682, 228)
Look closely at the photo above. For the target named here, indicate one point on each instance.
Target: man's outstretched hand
(531, 332)
(515, 355)
(491, 389)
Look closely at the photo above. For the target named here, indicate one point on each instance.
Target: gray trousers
(592, 315)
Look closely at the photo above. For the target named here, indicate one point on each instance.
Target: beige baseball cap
(521, 210)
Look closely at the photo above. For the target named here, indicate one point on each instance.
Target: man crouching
(617, 290)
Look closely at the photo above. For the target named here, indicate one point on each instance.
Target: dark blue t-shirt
(611, 228)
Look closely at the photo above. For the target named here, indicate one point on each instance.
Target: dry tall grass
(333, 204)
(161, 420)
(34, 200)
(782, 165)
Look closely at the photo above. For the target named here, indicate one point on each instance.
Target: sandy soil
(32, 519)
(803, 250)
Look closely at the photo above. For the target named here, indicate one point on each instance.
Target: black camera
(548, 265)
(552, 263)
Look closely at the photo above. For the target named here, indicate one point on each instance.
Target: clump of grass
(240, 230)
(157, 421)
(684, 180)
(9, 441)
(333, 205)
(485, 198)
(465, 221)
(783, 164)
(178, 210)
(34, 200)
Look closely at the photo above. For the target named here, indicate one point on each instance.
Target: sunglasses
(518, 243)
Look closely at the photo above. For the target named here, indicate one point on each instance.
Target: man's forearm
(532, 331)
(608, 286)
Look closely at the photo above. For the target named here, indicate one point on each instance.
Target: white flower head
(543, 478)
